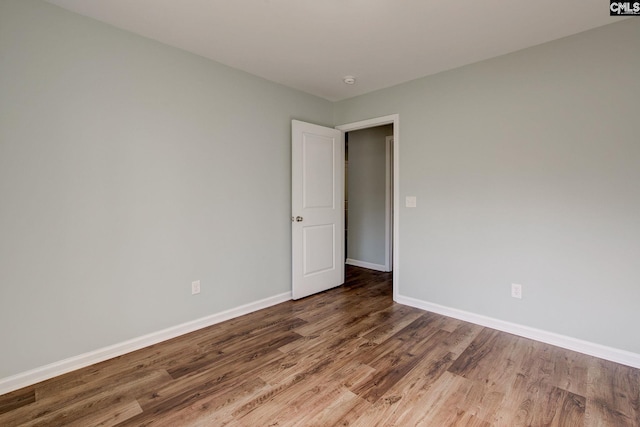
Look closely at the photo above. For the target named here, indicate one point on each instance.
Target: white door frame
(388, 202)
(393, 119)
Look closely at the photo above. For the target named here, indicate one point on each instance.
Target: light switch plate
(411, 201)
(195, 287)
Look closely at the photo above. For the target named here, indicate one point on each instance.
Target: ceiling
(311, 45)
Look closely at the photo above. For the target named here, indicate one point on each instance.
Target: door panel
(318, 173)
(317, 208)
(319, 248)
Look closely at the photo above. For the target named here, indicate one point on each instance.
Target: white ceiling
(311, 44)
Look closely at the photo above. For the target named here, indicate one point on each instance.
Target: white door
(317, 212)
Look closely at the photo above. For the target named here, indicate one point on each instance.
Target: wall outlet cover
(516, 290)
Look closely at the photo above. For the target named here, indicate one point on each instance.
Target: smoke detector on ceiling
(349, 80)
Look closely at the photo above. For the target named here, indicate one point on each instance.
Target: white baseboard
(42, 373)
(592, 349)
(364, 264)
(36, 375)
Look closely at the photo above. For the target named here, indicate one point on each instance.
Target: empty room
(188, 213)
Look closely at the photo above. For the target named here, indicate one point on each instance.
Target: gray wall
(366, 182)
(127, 170)
(527, 170)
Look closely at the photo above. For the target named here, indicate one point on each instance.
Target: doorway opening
(372, 195)
(368, 198)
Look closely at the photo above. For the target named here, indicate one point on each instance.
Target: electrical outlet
(195, 287)
(516, 290)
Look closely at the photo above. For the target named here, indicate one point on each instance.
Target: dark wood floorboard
(346, 357)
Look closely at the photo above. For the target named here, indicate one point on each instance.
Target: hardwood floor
(346, 357)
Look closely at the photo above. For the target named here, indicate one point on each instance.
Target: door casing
(393, 119)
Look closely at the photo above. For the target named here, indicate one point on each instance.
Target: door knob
(299, 219)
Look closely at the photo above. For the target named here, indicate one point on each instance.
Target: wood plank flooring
(346, 357)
